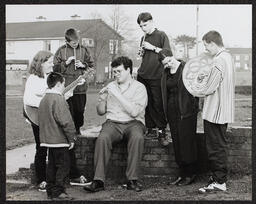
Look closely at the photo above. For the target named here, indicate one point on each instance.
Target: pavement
(22, 157)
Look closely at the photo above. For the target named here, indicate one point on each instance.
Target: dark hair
(53, 78)
(213, 36)
(144, 17)
(71, 34)
(122, 61)
(164, 53)
(35, 66)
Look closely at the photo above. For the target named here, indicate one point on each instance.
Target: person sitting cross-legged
(123, 101)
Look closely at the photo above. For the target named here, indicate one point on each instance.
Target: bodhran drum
(196, 73)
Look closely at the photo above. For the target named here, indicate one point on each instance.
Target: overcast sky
(233, 21)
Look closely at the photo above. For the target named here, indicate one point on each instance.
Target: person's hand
(103, 96)
(71, 146)
(113, 89)
(69, 60)
(148, 46)
(81, 81)
(79, 64)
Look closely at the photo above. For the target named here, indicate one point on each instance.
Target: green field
(19, 132)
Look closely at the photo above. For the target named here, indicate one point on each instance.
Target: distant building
(242, 58)
(24, 40)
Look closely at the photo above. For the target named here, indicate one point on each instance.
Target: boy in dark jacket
(57, 132)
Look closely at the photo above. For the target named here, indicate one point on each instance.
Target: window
(237, 57)
(113, 46)
(47, 45)
(10, 47)
(87, 42)
(62, 42)
(237, 64)
(246, 57)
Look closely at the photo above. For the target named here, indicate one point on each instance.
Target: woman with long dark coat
(180, 109)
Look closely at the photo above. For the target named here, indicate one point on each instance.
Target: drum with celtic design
(196, 73)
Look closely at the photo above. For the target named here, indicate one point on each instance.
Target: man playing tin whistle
(123, 101)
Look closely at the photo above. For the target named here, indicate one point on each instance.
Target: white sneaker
(215, 186)
(81, 181)
(42, 186)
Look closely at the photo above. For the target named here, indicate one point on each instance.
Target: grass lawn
(19, 132)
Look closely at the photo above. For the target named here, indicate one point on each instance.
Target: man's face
(210, 47)
(146, 26)
(121, 75)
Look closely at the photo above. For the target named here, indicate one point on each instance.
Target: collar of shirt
(53, 91)
(129, 84)
(220, 51)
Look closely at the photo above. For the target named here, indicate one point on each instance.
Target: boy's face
(73, 43)
(62, 86)
(210, 47)
(146, 26)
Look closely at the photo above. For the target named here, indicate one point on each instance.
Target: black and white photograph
(128, 102)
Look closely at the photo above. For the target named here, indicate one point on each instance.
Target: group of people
(133, 108)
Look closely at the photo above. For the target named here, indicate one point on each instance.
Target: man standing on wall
(150, 73)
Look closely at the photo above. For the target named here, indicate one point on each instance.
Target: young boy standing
(72, 60)
(57, 132)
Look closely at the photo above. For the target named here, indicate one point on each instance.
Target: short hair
(213, 36)
(144, 17)
(164, 53)
(53, 78)
(125, 61)
(71, 34)
(36, 64)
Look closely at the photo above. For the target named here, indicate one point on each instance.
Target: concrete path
(22, 157)
(19, 158)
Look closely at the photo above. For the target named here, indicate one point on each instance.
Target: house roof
(240, 50)
(51, 29)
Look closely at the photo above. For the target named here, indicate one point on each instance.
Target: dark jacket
(56, 125)
(188, 104)
(68, 71)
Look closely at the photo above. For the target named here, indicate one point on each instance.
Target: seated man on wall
(123, 101)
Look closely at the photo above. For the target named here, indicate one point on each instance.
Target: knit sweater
(151, 67)
(56, 126)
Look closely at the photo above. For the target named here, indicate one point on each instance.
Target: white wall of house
(24, 50)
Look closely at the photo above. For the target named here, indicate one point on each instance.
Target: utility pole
(197, 26)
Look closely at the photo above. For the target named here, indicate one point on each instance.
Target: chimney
(40, 18)
(75, 17)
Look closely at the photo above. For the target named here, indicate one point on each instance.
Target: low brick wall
(158, 160)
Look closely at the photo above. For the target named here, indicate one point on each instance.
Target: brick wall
(158, 160)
